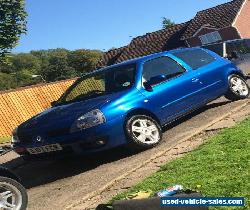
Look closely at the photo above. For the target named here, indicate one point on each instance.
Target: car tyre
(238, 88)
(13, 192)
(143, 132)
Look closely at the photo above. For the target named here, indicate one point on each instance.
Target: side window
(195, 58)
(164, 67)
(217, 48)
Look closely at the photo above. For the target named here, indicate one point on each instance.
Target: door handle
(195, 80)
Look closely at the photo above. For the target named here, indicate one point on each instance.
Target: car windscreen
(102, 82)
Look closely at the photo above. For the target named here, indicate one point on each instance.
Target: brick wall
(242, 23)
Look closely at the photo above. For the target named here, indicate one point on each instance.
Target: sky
(100, 24)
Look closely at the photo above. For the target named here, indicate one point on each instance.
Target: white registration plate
(44, 149)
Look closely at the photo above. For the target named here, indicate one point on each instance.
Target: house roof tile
(173, 37)
(149, 43)
(154, 42)
(219, 16)
(110, 57)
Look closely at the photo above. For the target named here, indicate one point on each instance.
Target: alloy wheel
(10, 197)
(239, 86)
(145, 131)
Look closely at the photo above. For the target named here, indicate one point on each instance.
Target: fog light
(100, 142)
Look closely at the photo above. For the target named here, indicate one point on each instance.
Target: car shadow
(42, 172)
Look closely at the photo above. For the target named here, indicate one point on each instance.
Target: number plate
(44, 149)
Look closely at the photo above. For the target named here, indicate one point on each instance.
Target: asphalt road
(56, 184)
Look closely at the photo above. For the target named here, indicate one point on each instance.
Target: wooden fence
(20, 104)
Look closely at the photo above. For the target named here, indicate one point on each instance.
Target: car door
(207, 70)
(174, 94)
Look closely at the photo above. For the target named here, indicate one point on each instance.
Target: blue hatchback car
(129, 103)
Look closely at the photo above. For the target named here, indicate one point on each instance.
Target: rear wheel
(238, 88)
(143, 132)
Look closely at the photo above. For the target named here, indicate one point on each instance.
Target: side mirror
(157, 79)
(153, 81)
(147, 86)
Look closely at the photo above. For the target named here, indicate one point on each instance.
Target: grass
(4, 139)
(221, 166)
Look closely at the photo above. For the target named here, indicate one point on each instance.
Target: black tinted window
(195, 58)
(241, 46)
(163, 66)
(217, 48)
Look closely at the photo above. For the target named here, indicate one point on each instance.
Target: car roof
(152, 56)
(236, 40)
(143, 59)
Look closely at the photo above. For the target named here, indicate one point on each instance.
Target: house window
(210, 38)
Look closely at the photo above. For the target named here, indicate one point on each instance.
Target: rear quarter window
(217, 48)
(195, 58)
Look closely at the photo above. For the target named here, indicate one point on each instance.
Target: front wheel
(143, 132)
(13, 195)
(238, 88)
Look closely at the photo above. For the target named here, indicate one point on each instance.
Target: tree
(12, 24)
(25, 61)
(7, 81)
(52, 64)
(84, 60)
(166, 22)
(57, 67)
(6, 67)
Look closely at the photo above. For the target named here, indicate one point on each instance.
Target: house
(223, 22)
(217, 24)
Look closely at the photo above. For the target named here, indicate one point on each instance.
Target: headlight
(14, 138)
(88, 120)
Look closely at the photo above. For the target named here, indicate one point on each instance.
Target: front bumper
(102, 137)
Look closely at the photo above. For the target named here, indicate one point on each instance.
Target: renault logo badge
(39, 138)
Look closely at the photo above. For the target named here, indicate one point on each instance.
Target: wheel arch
(142, 111)
(7, 173)
(237, 72)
